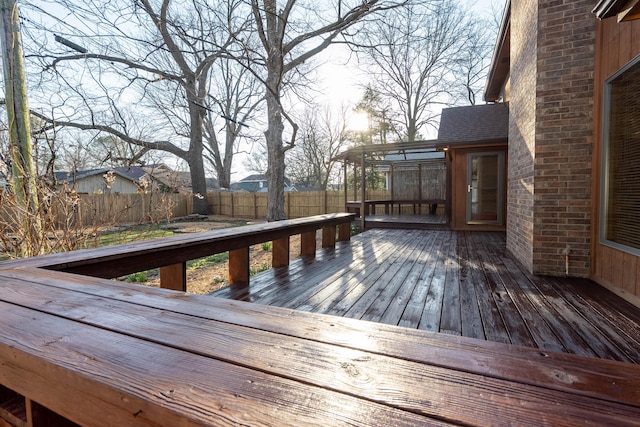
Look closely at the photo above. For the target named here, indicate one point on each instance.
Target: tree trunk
(275, 128)
(23, 171)
(195, 160)
(275, 160)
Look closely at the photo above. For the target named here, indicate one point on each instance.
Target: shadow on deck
(459, 283)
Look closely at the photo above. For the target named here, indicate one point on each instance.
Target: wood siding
(617, 44)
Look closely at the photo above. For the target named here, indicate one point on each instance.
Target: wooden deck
(105, 353)
(102, 353)
(458, 283)
(416, 222)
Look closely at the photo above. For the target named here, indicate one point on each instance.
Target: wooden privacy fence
(93, 209)
(297, 204)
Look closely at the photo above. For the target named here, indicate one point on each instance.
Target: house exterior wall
(551, 134)
(522, 117)
(564, 136)
(617, 44)
(96, 184)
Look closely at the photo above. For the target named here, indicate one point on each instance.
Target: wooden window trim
(607, 160)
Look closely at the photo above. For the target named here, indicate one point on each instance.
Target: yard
(205, 275)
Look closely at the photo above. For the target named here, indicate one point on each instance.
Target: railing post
(344, 232)
(174, 277)
(329, 236)
(308, 243)
(239, 266)
(280, 252)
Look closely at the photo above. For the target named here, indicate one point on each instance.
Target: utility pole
(23, 170)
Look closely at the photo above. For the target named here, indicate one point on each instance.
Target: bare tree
(291, 34)
(151, 57)
(472, 63)
(235, 95)
(323, 135)
(22, 166)
(378, 112)
(412, 57)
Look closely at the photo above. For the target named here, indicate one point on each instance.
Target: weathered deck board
(154, 357)
(461, 283)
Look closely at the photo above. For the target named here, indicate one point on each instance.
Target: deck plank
(415, 305)
(451, 317)
(494, 327)
(396, 307)
(432, 310)
(616, 381)
(469, 276)
(526, 298)
(463, 283)
(342, 288)
(262, 366)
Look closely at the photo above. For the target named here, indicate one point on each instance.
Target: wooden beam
(239, 266)
(630, 11)
(344, 232)
(329, 236)
(363, 194)
(346, 196)
(280, 252)
(308, 243)
(174, 277)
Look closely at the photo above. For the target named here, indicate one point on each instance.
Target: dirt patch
(208, 279)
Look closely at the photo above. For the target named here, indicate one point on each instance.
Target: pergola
(398, 159)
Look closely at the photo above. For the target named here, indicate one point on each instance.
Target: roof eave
(498, 70)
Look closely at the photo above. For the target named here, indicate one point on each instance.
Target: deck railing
(171, 254)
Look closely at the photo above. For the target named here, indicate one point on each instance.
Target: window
(620, 204)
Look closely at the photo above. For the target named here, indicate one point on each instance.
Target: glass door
(485, 183)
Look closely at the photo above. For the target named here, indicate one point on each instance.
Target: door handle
(469, 188)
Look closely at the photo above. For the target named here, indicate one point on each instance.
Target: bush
(267, 246)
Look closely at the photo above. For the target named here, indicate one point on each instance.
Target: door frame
(499, 221)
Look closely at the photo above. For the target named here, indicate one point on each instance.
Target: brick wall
(522, 117)
(563, 135)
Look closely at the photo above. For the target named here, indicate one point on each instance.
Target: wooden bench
(170, 254)
(103, 353)
(355, 206)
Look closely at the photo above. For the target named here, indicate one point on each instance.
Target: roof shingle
(474, 123)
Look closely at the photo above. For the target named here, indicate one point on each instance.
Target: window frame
(605, 161)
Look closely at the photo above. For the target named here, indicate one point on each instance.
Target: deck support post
(174, 277)
(329, 236)
(280, 252)
(363, 194)
(344, 232)
(308, 243)
(239, 266)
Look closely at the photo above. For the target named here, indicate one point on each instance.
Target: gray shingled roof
(474, 123)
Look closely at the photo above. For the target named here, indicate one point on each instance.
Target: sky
(342, 84)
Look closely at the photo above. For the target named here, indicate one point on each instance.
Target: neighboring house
(571, 75)
(169, 180)
(257, 183)
(126, 180)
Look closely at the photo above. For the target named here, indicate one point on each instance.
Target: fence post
(255, 206)
(324, 201)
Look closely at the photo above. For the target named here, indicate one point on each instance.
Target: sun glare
(359, 122)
